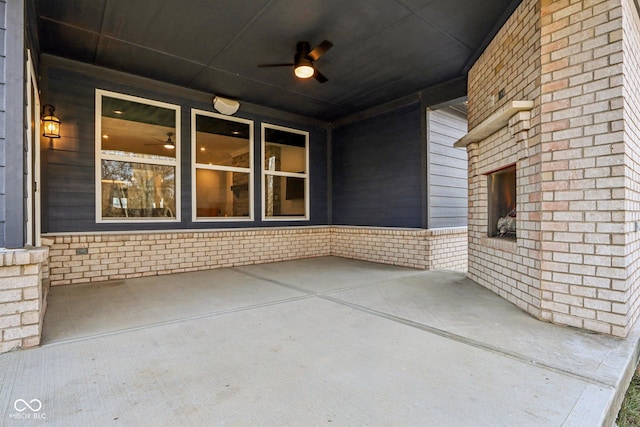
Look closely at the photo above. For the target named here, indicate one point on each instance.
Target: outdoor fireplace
(501, 187)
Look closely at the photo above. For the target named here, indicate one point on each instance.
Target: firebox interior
(501, 186)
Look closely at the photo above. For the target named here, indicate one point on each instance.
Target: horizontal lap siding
(447, 169)
(3, 140)
(68, 170)
(377, 170)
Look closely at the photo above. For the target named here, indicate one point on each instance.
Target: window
(222, 158)
(285, 178)
(137, 159)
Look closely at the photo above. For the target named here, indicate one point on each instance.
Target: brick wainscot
(93, 257)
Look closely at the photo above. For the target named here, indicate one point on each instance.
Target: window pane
(135, 129)
(284, 196)
(222, 194)
(222, 142)
(285, 151)
(136, 190)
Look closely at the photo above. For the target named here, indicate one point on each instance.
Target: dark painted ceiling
(383, 49)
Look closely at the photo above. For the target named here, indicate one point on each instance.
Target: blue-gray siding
(377, 170)
(12, 121)
(446, 169)
(68, 172)
(3, 139)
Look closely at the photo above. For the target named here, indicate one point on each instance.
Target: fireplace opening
(501, 187)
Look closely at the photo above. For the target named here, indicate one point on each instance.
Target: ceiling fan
(168, 144)
(303, 61)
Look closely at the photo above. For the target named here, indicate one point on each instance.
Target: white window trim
(265, 172)
(34, 225)
(99, 157)
(195, 166)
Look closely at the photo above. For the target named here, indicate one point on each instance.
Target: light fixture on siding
(225, 106)
(50, 123)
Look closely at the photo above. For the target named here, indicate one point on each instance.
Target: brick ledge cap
(25, 256)
(494, 122)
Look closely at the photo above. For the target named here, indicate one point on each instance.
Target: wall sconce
(50, 123)
(225, 106)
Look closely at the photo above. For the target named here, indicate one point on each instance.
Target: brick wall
(575, 258)
(423, 249)
(23, 289)
(583, 173)
(447, 249)
(85, 258)
(118, 256)
(511, 63)
(510, 269)
(403, 247)
(631, 96)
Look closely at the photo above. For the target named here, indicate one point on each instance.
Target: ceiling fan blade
(320, 50)
(320, 77)
(275, 65)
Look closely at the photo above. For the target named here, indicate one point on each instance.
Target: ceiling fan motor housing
(302, 55)
(303, 48)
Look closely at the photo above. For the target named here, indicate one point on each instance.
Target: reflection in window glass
(289, 150)
(137, 155)
(222, 142)
(134, 129)
(222, 193)
(284, 196)
(223, 155)
(136, 190)
(285, 173)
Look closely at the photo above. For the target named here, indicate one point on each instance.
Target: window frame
(99, 156)
(195, 167)
(265, 172)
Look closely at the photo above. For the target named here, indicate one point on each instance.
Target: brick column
(583, 174)
(22, 297)
(577, 257)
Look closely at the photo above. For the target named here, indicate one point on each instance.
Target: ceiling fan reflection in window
(169, 144)
(303, 63)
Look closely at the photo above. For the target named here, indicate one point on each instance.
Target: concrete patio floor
(323, 341)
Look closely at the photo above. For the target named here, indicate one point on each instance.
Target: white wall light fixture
(225, 106)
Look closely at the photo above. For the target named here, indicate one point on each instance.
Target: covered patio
(320, 341)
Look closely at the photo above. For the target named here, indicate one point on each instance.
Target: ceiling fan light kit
(304, 71)
(169, 144)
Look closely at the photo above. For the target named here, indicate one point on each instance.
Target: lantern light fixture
(50, 123)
